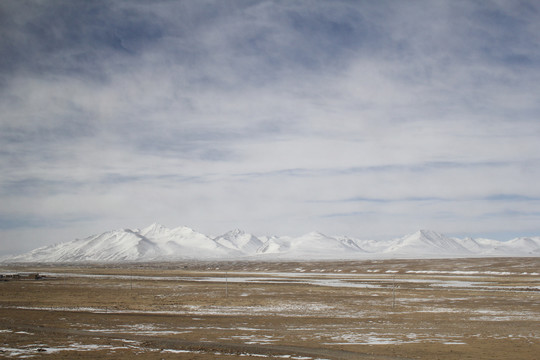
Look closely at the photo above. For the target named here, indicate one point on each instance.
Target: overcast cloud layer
(364, 118)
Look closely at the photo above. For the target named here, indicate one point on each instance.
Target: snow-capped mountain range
(159, 243)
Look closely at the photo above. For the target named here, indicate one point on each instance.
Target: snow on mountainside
(315, 245)
(532, 244)
(159, 243)
(516, 247)
(153, 243)
(118, 245)
(240, 241)
(428, 242)
(183, 242)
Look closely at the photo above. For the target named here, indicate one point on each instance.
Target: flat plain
(485, 308)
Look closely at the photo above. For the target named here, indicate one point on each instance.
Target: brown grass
(491, 310)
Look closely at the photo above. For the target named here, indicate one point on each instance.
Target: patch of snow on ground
(390, 339)
(34, 349)
(367, 339)
(254, 339)
(285, 309)
(174, 351)
(460, 272)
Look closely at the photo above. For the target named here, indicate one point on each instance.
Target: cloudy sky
(364, 118)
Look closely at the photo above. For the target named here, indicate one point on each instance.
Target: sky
(371, 119)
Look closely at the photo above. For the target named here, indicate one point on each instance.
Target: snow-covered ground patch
(374, 338)
(175, 351)
(463, 272)
(35, 349)
(282, 309)
(253, 339)
(141, 329)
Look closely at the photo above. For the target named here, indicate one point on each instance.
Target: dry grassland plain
(387, 309)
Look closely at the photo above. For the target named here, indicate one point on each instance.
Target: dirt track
(452, 309)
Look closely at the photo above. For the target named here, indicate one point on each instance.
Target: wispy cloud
(269, 115)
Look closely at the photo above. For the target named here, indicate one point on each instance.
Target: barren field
(389, 309)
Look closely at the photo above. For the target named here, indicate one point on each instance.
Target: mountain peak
(159, 243)
(430, 234)
(314, 234)
(429, 241)
(183, 229)
(154, 226)
(153, 229)
(239, 240)
(235, 232)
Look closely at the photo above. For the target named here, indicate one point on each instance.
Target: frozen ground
(403, 309)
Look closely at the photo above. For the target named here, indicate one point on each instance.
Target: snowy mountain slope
(184, 242)
(530, 243)
(159, 243)
(275, 245)
(474, 245)
(517, 246)
(240, 241)
(153, 243)
(118, 245)
(373, 246)
(425, 242)
(351, 243)
(315, 245)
